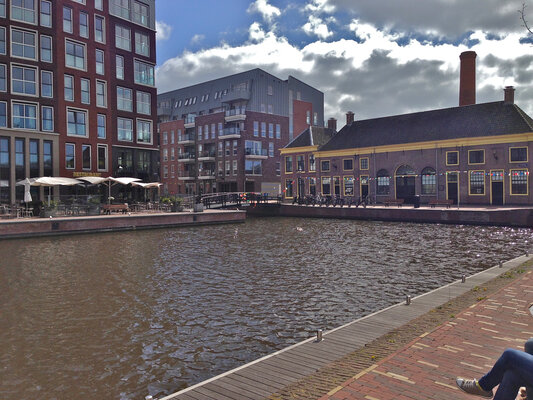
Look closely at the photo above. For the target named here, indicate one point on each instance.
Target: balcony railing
(206, 173)
(207, 154)
(236, 111)
(231, 131)
(256, 152)
(186, 156)
(190, 119)
(186, 138)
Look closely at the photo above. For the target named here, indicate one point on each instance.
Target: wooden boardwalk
(262, 378)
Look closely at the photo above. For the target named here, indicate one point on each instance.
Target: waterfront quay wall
(36, 227)
(513, 217)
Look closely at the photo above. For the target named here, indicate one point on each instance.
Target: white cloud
(316, 26)
(197, 38)
(163, 30)
(375, 75)
(268, 11)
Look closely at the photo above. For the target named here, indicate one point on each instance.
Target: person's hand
(523, 393)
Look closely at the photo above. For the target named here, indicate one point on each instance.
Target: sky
(373, 57)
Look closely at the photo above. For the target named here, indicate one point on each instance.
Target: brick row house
(77, 92)
(225, 135)
(471, 154)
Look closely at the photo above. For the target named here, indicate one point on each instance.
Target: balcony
(208, 155)
(164, 111)
(187, 176)
(256, 153)
(236, 114)
(206, 175)
(237, 95)
(190, 121)
(187, 157)
(231, 133)
(186, 139)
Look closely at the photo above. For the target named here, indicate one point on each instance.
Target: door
(452, 186)
(364, 186)
(405, 183)
(496, 187)
(301, 187)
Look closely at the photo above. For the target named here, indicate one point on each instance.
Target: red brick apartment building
(225, 135)
(471, 154)
(77, 92)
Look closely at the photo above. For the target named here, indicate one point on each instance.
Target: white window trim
(5, 40)
(124, 89)
(41, 89)
(137, 102)
(73, 87)
(105, 126)
(105, 93)
(86, 121)
(51, 14)
(24, 22)
(37, 80)
(104, 27)
(96, 63)
(74, 145)
(106, 157)
(122, 38)
(7, 78)
(51, 49)
(37, 48)
(85, 62)
(123, 67)
(89, 90)
(53, 119)
(132, 130)
(143, 62)
(7, 113)
(151, 130)
(37, 114)
(88, 25)
(63, 19)
(90, 157)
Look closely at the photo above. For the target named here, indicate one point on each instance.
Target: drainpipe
(437, 170)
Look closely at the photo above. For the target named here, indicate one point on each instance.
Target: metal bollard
(319, 335)
(463, 278)
(500, 264)
(527, 253)
(407, 300)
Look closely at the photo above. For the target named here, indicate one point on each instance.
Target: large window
(102, 157)
(47, 78)
(69, 87)
(144, 131)
(70, 156)
(144, 104)
(337, 185)
(124, 99)
(271, 131)
(86, 156)
(46, 13)
(23, 44)
(256, 129)
(120, 67)
(288, 164)
(46, 48)
(3, 114)
(99, 60)
(47, 118)
(75, 55)
(288, 189)
(383, 182)
(312, 163)
(85, 91)
(3, 8)
(348, 185)
(5, 170)
(34, 158)
(2, 40)
(253, 167)
(23, 80)
(300, 163)
(99, 29)
(476, 156)
(24, 116)
(125, 129)
(263, 129)
(326, 185)
(518, 154)
(324, 166)
(519, 181)
(363, 163)
(67, 19)
(312, 185)
(144, 73)
(24, 10)
(122, 38)
(121, 8)
(477, 182)
(3, 78)
(48, 169)
(101, 126)
(140, 13)
(84, 25)
(76, 122)
(101, 94)
(347, 164)
(429, 181)
(142, 44)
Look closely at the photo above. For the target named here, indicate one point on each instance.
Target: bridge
(237, 199)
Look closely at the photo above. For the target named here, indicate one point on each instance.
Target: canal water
(124, 315)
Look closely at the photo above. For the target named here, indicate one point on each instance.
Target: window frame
(322, 169)
(289, 167)
(361, 163)
(51, 59)
(24, 32)
(104, 85)
(140, 109)
(344, 164)
(4, 103)
(121, 100)
(119, 119)
(48, 15)
(97, 63)
(137, 62)
(76, 43)
(71, 23)
(24, 10)
(98, 147)
(103, 32)
(25, 103)
(86, 92)
(122, 39)
(84, 33)
(100, 117)
(71, 77)
(137, 123)
(43, 71)
(476, 150)
(73, 145)
(36, 82)
(121, 68)
(81, 111)
(470, 183)
(83, 167)
(519, 161)
(511, 193)
(450, 152)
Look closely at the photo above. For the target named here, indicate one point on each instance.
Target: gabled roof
(477, 120)
(312, 136)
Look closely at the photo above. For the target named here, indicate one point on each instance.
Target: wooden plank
(210, 394)
(255, 388)
(239, 391)
(269, 377)
(260, 385)
(290, 369)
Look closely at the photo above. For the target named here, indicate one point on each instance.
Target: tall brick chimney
(332, 124)
(349, 117)
(508, 95)
(467, 85)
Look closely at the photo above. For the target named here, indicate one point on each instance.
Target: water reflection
(126, 314)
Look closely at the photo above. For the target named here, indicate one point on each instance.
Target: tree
(525, 24)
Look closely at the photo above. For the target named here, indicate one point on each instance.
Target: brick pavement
(467, 346)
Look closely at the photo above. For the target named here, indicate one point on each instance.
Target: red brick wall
(300, 109)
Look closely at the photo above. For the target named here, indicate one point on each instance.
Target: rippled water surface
(123, 315)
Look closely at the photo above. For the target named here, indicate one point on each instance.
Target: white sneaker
(471, 386)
